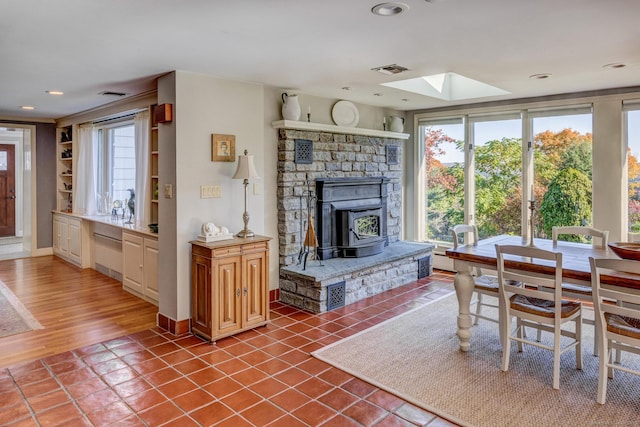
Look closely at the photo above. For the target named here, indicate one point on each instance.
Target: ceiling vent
(390, 69)
(111, 93)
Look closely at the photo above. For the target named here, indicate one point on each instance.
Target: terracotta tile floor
(264, 377)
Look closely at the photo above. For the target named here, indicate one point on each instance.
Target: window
(444, 177)
(633, 168)
(116, 160)
(474, 171)
(497, 160)
(562, 170)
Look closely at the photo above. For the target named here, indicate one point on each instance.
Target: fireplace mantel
(291, 124)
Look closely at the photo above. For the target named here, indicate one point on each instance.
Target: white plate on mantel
(345, 113)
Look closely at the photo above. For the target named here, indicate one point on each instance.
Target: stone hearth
(400, 263)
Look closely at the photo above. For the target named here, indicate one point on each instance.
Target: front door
(7, 191)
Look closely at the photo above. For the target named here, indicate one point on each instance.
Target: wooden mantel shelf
(291, 124)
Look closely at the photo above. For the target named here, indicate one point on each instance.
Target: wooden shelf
(290, 124)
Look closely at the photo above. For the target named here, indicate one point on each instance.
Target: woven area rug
(415, 356)
(14, 317)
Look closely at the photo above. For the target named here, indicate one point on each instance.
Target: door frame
(11, 224)
(29, 217)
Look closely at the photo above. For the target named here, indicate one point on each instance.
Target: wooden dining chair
(599, 239)
(485, 284)
(534, 307)
(617, 322)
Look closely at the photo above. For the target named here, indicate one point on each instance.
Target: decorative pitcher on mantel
(290, 107)
(396, 123)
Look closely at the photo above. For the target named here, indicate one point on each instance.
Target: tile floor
(264, 377)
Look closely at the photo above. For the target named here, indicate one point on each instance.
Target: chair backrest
(524, 276)
(602, 235)
(627, 302)
(464, 230)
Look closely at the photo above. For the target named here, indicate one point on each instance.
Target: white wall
(204, 105)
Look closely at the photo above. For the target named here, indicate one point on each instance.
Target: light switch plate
(210, 191)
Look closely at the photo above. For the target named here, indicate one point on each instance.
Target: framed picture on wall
(223, 148)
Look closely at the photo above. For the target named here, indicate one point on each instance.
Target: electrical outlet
(168, 191)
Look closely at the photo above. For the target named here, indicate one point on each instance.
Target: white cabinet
(75, 240)
(70, 240)
(140, 265)
(60, 236)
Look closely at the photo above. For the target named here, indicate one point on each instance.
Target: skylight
(447, 86)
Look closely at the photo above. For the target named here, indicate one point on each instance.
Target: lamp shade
(246, 168)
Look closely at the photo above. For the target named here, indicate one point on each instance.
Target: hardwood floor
(76, 307)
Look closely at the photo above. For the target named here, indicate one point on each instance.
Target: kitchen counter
(109, 220)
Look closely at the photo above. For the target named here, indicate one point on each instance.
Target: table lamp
(246, 171)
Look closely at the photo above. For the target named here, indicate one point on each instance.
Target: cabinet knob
(244, 291)
(238, 292)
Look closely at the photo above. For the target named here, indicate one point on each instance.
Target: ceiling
(85, 47)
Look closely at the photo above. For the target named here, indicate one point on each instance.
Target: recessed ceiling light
(55, 92)
(614, 65)
(404, 100)
(389, 9)
(540, 76)
(27, 107)
(346, 88)
(377, 94)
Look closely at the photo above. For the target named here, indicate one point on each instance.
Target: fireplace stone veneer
(341, 155)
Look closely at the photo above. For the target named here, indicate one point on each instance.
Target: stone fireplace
(351, 216)
(349, 186)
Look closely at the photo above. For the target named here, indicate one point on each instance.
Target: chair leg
(478, 308)
(579, 345)
(556, 360)
(521, 334)
(505, 327)
(602, 372)
(609, 354)
(596, 339)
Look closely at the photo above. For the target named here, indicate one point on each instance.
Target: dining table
(575, 269)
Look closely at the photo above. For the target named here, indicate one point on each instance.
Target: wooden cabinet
(64, 168)
(71, 240)
(140, 265)
(229, 286)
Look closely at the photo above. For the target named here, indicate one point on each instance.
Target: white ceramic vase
(396, 124)
(290, 107)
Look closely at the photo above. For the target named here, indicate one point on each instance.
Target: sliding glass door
(562, 142)
(497, 172)
(444, 177)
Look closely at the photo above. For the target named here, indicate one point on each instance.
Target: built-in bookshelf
(64, 168)
(153, 165)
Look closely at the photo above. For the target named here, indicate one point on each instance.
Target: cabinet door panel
(75, 241)
(201, 296)
(254, 292)
(151, 268)
(228, 295)
(60, 238)
(132, 262)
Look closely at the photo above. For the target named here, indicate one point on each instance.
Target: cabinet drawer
(234, 250)
(260, 246)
